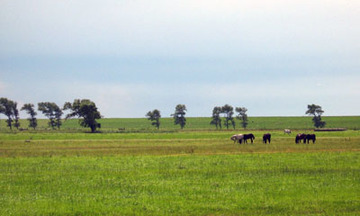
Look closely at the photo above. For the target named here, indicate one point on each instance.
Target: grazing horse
(287, 131)
(310, 137)
(300, 137)
(249, 136)
(237, 138)
(267, 138)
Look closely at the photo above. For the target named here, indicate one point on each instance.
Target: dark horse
(249, 136)
(300, 137)
(267, 138)
(310, 137)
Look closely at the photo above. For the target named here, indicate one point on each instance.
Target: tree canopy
(52, 112)
(154, 116)
(216, 119)
(86, 110)
(316, 111)
(229, 112)
(242, 116)
(29, 108)
(179, 115)
(9, 108)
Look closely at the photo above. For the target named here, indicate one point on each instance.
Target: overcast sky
(273, 57)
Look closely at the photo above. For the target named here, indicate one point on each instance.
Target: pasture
(197, 123)
(194, 171)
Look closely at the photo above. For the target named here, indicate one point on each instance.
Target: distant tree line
(228, 112)
(87, 113)
(85, 110)
(178, 116)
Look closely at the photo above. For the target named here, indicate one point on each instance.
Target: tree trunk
(93, 128)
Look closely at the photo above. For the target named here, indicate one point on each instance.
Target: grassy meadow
(132, 169)
(198, 123)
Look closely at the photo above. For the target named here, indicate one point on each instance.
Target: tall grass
(246, 184)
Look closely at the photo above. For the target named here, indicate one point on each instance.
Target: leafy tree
(52, 112)
(154, 116)
(229, 112)
(8, 108)
(86, 110)
(29, 108)
(242, 116)
(179, 115)
(216, 120)
(316, 111)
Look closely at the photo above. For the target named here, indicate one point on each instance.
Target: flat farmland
(178, 172)
(198, 123)
(174, 143)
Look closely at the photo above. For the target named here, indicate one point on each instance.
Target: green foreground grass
(195, 171)
(244, 184)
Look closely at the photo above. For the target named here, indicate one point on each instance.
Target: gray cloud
(133, 56)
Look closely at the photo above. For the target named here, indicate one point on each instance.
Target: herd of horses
(243, 138)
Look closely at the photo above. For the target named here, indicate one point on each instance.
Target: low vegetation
(196, 123)
(131, 168)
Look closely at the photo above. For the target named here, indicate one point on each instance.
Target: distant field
(167, 143)
(138, 170)
(255, 123)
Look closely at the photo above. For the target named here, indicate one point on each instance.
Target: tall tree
(216, 119)
(52, 112)
(29, 108)
(179, 115)
(7, 108)
(154, 116)
(228, 112)
(242, 116)
(316, 111)
(86, 110)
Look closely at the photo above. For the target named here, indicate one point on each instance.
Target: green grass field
(255, 123)
(196, 171)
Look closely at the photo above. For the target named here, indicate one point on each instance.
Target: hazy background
(273, 57)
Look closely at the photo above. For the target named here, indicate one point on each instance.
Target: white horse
(287, 131)
(237, 138)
